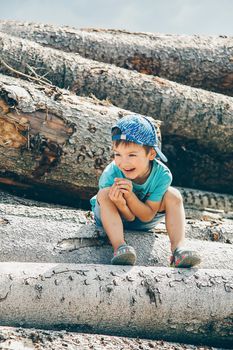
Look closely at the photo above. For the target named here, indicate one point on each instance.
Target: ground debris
(29, 339)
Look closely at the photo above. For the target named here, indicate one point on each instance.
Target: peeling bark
(139, 301)
(198, 61)
(63, 145)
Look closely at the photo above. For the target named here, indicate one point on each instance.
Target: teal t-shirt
(152, 189)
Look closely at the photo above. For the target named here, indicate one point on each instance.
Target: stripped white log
(37, 234)
(176, 304)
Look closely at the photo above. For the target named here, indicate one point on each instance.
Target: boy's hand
(125, 186)
(116, 196)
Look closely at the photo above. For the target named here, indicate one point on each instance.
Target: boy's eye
(132, 155)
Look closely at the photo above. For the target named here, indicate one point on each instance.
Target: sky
(203, 17)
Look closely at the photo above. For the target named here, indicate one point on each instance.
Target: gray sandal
(125, 255)
(184, 258)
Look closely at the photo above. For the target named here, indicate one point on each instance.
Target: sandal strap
(180, 254)
(124, 248)
(124, 255)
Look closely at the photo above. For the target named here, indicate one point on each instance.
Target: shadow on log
(201, 166)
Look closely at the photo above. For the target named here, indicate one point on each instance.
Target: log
(196, 160)
(197, 199)
(65, 235)
(139, 301)
(204, 165)
(62, 144)
(199, 61)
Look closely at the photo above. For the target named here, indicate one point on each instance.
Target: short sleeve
(161, 187)
(107, 177)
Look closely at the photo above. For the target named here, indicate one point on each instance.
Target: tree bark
(140, 301)
(65, 143)
(189, 113)
(198, 61)
(207, 200)
(51, 234)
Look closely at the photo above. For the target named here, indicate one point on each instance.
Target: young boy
(135, 193)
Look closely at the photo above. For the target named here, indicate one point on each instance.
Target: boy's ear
(152, 154)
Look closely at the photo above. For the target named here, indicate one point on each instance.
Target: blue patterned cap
(140, 130)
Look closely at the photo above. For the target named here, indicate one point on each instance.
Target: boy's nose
(125, 161)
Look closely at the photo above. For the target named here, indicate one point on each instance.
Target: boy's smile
(133, 161)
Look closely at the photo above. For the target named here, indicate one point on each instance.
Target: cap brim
(160, 154)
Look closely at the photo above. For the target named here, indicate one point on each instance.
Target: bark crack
(153, 292)
(71, 244)
(54, 273)
(6, 296)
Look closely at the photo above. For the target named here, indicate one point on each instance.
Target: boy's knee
(102, 195)
(173, 195)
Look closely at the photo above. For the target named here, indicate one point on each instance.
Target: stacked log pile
(56, 111)
(195, 121)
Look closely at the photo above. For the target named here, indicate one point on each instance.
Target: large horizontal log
(51, 234)
(62, 139)
(62, 144)
(209, 215)
(190, 113)
(139, 301)
(198, 61)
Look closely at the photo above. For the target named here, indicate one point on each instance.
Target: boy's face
(133, 161)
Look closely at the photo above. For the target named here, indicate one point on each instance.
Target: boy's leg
(175, 217)
(113, 226)
(175, 223)
(111, 219)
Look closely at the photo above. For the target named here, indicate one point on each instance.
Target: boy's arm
(143, 211)
(107, 180)
(127, 213)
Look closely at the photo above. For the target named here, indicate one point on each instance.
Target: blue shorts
(136, 225)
